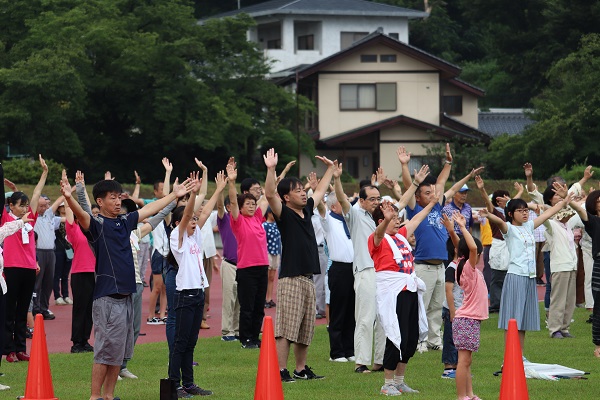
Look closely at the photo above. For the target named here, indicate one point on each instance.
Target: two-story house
(376, 92)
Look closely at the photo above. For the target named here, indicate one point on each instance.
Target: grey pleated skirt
(519, 301)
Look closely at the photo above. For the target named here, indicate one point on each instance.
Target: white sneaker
(389, 389)
(119, 378)
(125, 373)
(422, 347)
(68, 300)
(404, 388)
(352, 358)
(4, 387)
(60, 302)
(339, 359)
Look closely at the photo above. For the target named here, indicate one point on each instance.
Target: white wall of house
(327, 35)
(470, 114)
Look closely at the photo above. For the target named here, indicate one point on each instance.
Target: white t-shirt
(189, 257)
(208, 238)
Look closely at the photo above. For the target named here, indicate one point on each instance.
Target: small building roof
(508, 120)
(325, 7)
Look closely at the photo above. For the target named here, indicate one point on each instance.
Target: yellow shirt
(485, 232)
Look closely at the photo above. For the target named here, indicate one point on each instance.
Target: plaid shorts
(465, 333)
(296, 305)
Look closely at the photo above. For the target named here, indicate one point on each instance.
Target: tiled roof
(324, 7)
(495, 123)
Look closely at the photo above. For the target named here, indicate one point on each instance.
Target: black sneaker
(88, 347)
(285, 376)
(182, 394)
(196, 390)
(248, 344)
(306, 374)
(77, 348)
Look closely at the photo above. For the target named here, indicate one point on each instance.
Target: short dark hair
(428, 181)
(102, 188)
(226, 202)
(16, 196)
(247, 183)
(511, 206)
(363, 191)
(378, 214)
(157, 184)
(590, 202)
(286, 185)
(177, 215)
(498, 193)
(243, 197)
(463, 254)
(363, 183)
(95, 206)
(129, 205)
(548, 195)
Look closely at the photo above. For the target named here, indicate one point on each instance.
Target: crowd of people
(394, 275)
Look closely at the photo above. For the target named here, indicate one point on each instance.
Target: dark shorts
(113, 330)
(158, 262)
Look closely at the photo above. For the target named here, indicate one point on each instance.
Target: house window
(368, 58)
(347, 38)
(306, 42)
(350, 165)
(394, 36)
(389, 58)
(274, 44)
(378, 96)
(452, 105)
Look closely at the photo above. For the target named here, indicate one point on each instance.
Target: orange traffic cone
(514, 383)
(268, 379)
(39, 379)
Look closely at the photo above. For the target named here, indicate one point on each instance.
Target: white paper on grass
(550, 371)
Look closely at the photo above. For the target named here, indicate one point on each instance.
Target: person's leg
(145, 254)
(569, 301)
(558, 298)
(246, 296)
(434, 311)
(22, 306)
(364, 311)
(110, 381)
(60, 258)
(319, 280)
(539, 261)
(89, 282)
(64, 279)
(449, 352)
(596, 319)
(229, 293)
(430, 278)
(184, 317)
(78, 310)
(347, 310)
(495, 290)
(462, 374)
(209, 263)
(259, 300)
(2, 322)
(42, 261)
(283, 351)
(99, 372)
(47, 282)
(337, 308)
(580, 278)
(548, 279)
(13, 282)
(588, 264)
(487, 270)
(170, 285)
(300, 353)
(187, 370)
(156, 289)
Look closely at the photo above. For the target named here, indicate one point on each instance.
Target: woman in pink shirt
(252, 262)
(467, 320)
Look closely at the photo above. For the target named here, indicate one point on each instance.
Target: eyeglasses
(195, 218)
(373, 199)
(522, 210)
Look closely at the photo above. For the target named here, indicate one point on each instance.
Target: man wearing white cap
(459, 203)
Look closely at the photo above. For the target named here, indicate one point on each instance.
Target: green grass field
(231, 372)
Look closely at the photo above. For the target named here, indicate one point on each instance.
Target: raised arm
(188, 211)
(135, 196)
(404, 158)
(154, 207)
(528, 169)
(449, 225)
(494, 220)
(287, 168)
(461, 222)
(579, 210)
(321, 189)
(486, 199)
(414, 222)
(556, 187)
(37, 192)
(156, 219)
(440, 184)
(221, 181)
(204, 187)
(221, 206)
(168, 169)
(587, 175)
(270, 159)
(339, 189)
(388, 214)
(234, 207)
(83, 217)
(519, 189)
(456, 187)
(410, 192)
(56, 203)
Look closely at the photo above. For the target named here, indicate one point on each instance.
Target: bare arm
(83, 217)
(339, 190)
(168, 169)
(587, 175)
(221, 181)
(154, 207)
(450, 299)
(404, 159)
(461, 221)
(554, 209)
(232, 176)
(388, 214)
(414, 222)
(37, 192)
(287, 168)
(204, 187)
(136, 190)
(449, 225)
(440, 184)
(220, 206)
(270, 186)
(481, 186)
(188, 212)
(410, 192)
(56, 204)
(319, 193)
(494, 220)
(456, 187)
(528, 168)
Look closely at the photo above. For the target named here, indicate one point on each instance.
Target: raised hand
(380, 176)
(479, 182)
(518, 187)
(312, 180)
(483, 213)
(11, 185)
(447, 222)
(183, 189)
(337, 169)
(390, 183)
(43, 163)
(435, 197)
(270, 158)
(197, 182)
(221, 179)
(569, 198)
(476, 171)
(200, 165)
(138, 180)
(403, 156)
(108, 176)
(559, 189)
(448, 153)
(231, 169)
(588, 173)
(167, 164)
(65, 187)
(528, 168)
(459, 219)
(422, 174)
(79, 178)
(325, 160)
(388, 210)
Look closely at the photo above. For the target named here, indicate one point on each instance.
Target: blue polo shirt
(430, 234)
(115, 270)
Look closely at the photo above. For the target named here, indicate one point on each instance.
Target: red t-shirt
(383, 256)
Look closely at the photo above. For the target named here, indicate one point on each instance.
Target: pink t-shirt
(16, 253)
(83, 257)
(251, 239)
(475, 300)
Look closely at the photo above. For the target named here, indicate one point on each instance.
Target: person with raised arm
(109, 234)
(299, 262)
(519, 293)
(399, 293)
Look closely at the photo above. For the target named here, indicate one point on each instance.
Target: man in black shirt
(299, 261)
